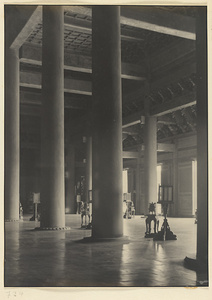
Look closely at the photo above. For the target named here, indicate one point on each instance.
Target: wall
(176, 171)
(185, 188)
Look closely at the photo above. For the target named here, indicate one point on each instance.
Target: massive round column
(12, 135)
(52, 140)
(202, 138)
(107, 219)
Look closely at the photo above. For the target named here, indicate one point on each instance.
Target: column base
(86, 226)
(195, 264)
(53, 228)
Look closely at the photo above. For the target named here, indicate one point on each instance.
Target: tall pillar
(140, 186)
(138, 190)
(107, 219)
(88, 175)
(12, 135)
(52, 189)
(175, 180)
(150, 161)
(201, 260)
(70, 180)
(202, 144)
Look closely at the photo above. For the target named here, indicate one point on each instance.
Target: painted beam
(162, 147)
(28, 99)
(162, 156)
(130, 154)
(33, 80)
(177, 103)
(138, 118)
(163, 80)
(165, 120)
(74, 62)
(187, 142)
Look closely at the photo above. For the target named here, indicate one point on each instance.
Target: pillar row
(107, 219)
(12, 135)
(52, 138)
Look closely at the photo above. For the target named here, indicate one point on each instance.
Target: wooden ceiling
(157, 43)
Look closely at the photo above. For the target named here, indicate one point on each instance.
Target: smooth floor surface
(65, 259)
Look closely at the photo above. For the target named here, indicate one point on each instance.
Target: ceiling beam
(150, 18)
(173, 75)
(28, 99)
(176, 53)
(33, 80)
(164, 73)
(162, 81)
(133, 119)
(154, 19)
(165, 120)
(130, 154)
(80, 63)
(165, 147)
(177, 103)
(27, 29)
(161, 147)
(138, 118)
(159, 110)
(85, 26)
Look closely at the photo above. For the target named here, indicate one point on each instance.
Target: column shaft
(150, 161)
(202, 117)
(175, 180)
(52, 190)
(107, 123)
(12, 135)
(88, 175)
(70, 180)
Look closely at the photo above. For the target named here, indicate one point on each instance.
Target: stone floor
(62, 258)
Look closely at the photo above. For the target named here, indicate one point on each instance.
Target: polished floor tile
(64, 259)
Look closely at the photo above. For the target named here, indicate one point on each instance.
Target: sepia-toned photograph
(105, 146)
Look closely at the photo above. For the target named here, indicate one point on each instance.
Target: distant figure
(195, 217)
(20, 211)
(125, 208)
(78, 203)
(132, 210)
(84, 210)
(152, 208)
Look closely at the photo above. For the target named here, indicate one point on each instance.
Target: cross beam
(177, 103)
(80, 63)
(27, 29)
(33, 80)
(151, 19)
